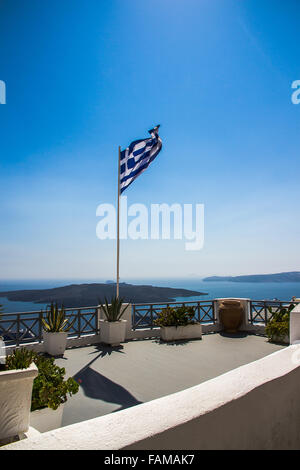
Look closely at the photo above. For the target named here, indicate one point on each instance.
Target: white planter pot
(173, 333)
(15, 400)
(46, 419)
(55, 343)
(283, 340)
(112, 333)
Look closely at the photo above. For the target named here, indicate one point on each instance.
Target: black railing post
(199, 311)
(151, 316)
(133, 316)
(40, 327)
(18, 330)
(79, 323)
(266, 312)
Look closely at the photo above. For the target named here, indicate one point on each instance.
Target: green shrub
(277, 331)
(278, 327)
(180, 316)
(49, 387)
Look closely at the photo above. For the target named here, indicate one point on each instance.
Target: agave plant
(113, 310)
(20, 359)
(56, 321)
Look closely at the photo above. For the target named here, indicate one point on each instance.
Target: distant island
(293, 276)
(88, 295)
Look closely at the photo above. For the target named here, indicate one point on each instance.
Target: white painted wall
(295, 325)
(256, 406)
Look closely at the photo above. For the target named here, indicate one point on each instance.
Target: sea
(251, 290)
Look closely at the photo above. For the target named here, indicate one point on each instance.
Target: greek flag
(137, 157)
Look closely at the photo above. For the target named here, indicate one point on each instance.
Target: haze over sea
(252, 290)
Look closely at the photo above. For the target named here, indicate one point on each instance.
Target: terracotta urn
(231, 315)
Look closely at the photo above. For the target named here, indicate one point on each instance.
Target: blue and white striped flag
(137, 157)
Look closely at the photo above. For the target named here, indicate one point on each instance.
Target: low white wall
(71, 343)
(253, 407)
(295, 325)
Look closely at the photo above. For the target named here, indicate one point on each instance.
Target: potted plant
(277, 329)
(113, 328)
(56, 327)
(16, 381)
(50, 391)
(178, 324)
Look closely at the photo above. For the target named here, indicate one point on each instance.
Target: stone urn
(231, 315)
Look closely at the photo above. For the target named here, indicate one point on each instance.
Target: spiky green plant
(113, 310)
(20, 359)
(56, 320)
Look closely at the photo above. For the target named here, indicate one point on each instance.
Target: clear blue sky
(83, 77)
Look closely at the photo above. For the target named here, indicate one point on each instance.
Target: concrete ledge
(155, 332)
(71, 343)
(16, 374)
(143, 333)
(95, 339)
(255, 406)
(255, 328)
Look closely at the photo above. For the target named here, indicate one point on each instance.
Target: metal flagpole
(118, 225)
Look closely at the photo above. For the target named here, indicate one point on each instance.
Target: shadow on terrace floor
(240, 334)
(106, 350)
(172, 343)
(99, 387)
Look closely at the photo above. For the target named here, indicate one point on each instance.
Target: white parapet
(295, 325)
(255, 406)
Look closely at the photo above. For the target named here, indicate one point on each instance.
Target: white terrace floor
(112, 379)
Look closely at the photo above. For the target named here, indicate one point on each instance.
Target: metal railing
(143, 315)
(259, 309)
(26, 327)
